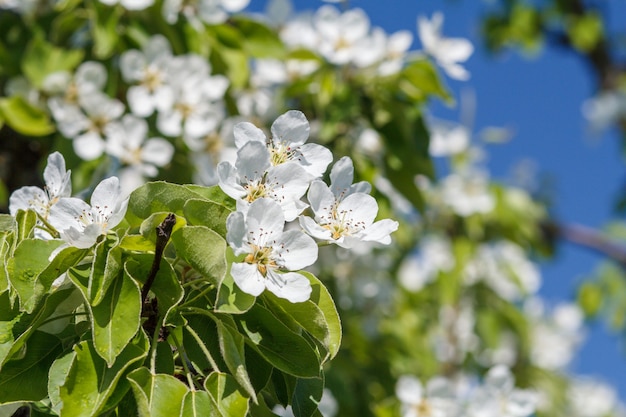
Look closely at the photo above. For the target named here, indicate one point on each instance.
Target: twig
(164, 230)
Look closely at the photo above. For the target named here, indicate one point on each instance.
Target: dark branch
(163, 231)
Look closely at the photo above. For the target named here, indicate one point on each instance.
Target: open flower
(290, 131)
(58, 185)
(80, 224)
(436, 400)
(254, 177)
(448, 52)
(269, 251)
(347, 221)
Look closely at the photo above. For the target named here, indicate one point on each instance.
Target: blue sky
(539, 98)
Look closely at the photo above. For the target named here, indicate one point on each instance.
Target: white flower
(254, 177)
(126, 140)
(467, 193)
(58, 185)
(80, 224)
(435, 254)
(210, 11)
(130, 4)
(340, 33)
(437, 400)
(447, 138)
(150, 68)
(590, 398)
(290, 131)
(498, 397)
(448, 52)
(269, 251)
(345, 222)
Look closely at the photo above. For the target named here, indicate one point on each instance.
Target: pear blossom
(290, 131)
(150, 68)
(198, 11)
(437, 399)
(467, 193)
(592, 398)
(270, 252)
(345, 222)
(341, 178)
(80, 224)
(58, 185)
(418, 269)
(447, 139)
(340, 33)
(130, 4)
(253, 177)
(447, 52)
(498, 397)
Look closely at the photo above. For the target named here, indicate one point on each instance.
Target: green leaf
(42, 59)
(105, 30)
(214, 194)
(24, 118)
(107, 267)
(318, 316)
(7, 223)
(29, 260)
(232, 349)
(419, 80)
(149, 225)
(225, 393)
(57, 375)
(306, 396)
(159, 196)
(259, 41)
(157, 395)
(204, 250)
(275, 342)
(26, 221)
(207, 213)
(199, 404)
(91, 382)
(64, 260)
(116, 319)
(25, 379)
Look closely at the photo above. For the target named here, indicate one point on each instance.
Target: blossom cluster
(269, 181)
(76, 222)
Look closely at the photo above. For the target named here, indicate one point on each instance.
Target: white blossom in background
(127, 140)
(270, 252)
(253, 177)
(289, 131)
(130, 4)
(447, 52)
(455, 336)
(80, 224)
(327, 406)
(437, 399)
(148, 70)
(467, 193)
(299, 32)
(604, 109)
(57, 186)
(384, 52)
(505, 268)
(213, 148)
(197, 107)
(66, 89)
(555, 335)
(592, 398)
(498, 397)
(447, 139)
(202, 11)
(434, 256)
(339, 34)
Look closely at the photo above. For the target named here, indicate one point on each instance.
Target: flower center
(280, 153)
(262, 257)
(256, 189)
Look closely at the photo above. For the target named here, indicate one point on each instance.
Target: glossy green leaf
(90, 381)
(25, 379)
(224, 391)
(149, 225)
(26, 221)
(259, 40)
(207, 213)
(204, 250)
(24, 118)
(107, 267)
(214, 194)
(42, 59)
(232, 349)
(157, 395)
(57, 375)
(199, 404)
(29, 260)
(64, 260)
(275, 342)
(306, 396)
(159, 196)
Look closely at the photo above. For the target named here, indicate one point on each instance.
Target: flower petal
(292, 286)
(248, 278)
